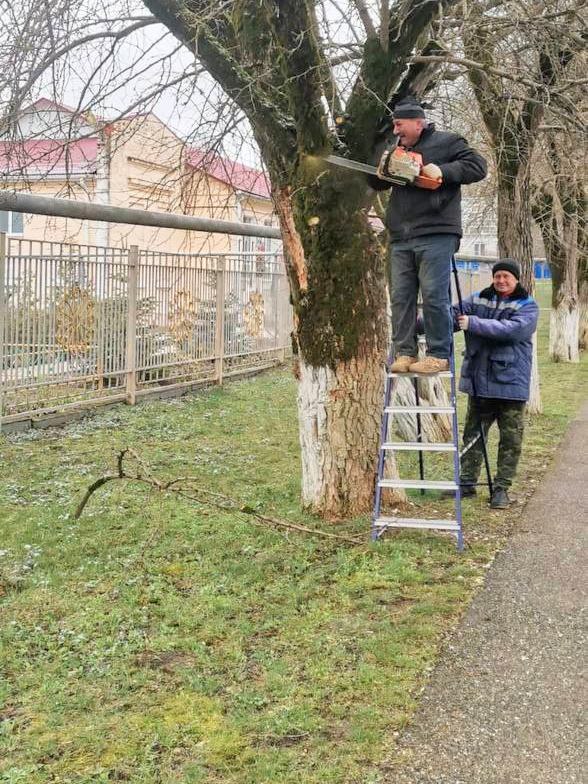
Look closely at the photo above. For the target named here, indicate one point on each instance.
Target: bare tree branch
(366, 19)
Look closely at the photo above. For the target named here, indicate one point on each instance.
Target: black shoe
(500, 499)
(466, 491)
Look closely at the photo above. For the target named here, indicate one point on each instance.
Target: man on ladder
(425, 230)
(424, 222)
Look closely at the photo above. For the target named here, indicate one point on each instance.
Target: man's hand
(382, 171)
(464, 322)
(432, 171)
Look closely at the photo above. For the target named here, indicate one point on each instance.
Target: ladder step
(418, 446)
(422, 484)
(443, 374)
(419, 410)
(404, 522)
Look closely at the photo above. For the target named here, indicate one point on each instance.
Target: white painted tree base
(564, 327)
(340, 419)
(534, 406)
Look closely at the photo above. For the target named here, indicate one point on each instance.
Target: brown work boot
(402, 363)
(429, 366)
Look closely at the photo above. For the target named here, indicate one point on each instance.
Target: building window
(479, 249)
(253, 244)
(11, 222)
(246, 242)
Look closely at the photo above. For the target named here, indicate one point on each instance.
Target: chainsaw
(398, 166)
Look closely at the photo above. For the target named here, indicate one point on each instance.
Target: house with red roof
(136, 161)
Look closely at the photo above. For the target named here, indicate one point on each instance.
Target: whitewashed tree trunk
(559, 209)
(435, 427)
(564, 325)
(339, 458)
(583, 316)
(432, 392)
(534, 406)
(515, 241)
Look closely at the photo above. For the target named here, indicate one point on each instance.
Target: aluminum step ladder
(381, 523)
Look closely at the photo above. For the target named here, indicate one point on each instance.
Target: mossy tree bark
(269, 58)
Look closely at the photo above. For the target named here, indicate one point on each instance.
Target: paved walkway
(506, 703)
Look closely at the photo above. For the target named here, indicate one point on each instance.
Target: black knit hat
(508, 265)
(408, 109)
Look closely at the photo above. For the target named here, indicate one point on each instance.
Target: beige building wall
(52, 229)
(145, 164)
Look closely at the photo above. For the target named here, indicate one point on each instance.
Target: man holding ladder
(499, 323)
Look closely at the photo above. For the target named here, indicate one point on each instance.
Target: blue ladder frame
(380, 523)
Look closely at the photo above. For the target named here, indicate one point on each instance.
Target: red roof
(48, 156)
(237, 175)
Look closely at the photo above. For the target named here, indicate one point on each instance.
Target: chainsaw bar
(346, 163)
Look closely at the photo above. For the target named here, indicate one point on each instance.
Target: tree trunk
(583, 316)
(515, 241)
(557, 217)
(583, 278)
(340, 339)
(564, 320)
(271, 59)
(340, 412)
(535, 406)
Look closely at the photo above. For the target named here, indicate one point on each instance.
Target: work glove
(432, 171)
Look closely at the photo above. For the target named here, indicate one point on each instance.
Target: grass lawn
(158, 641)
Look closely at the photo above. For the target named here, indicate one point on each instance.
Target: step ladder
(381, 523)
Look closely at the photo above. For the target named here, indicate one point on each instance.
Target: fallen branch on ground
(184, 487)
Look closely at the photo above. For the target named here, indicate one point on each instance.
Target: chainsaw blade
(346, 163)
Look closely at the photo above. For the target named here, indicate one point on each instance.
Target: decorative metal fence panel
(85, 323)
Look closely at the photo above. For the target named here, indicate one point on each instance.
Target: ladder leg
(455, 424)
(381, 459)
(419, 427)
(456, 465)
(475, 398)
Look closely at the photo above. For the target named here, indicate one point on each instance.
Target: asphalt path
(506, 704)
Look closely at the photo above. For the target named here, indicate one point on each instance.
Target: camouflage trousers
(509, 416)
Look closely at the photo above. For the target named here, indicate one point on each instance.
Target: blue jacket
(499, 350)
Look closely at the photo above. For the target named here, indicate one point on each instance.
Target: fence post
(285, 326)
(131, 363)
(219, 337)
(2, 317)
(275, 290)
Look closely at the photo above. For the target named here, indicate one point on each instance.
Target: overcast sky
(195, 108)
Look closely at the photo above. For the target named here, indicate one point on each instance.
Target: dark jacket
(413, 211)
(499, 350)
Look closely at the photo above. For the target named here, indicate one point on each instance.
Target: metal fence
(84, 324)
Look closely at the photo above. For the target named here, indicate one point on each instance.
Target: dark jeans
(424, 261)
(510, 417)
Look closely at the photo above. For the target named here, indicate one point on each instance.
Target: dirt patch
(167, 661)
